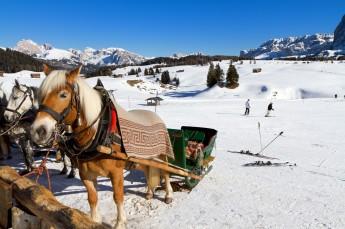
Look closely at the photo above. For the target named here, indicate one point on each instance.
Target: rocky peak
(339, 35)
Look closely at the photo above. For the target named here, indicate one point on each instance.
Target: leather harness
(107, 131)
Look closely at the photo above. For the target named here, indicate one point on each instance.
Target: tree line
(215, 76)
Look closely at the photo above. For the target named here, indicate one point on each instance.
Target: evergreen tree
(232, 77)
(139, 70)
(151, 71)
(165, 77)
(146, 72)
(157, 71)
(219, 74)
(132, 72)
(211, 76)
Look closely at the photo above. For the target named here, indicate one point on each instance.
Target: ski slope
(309, 195)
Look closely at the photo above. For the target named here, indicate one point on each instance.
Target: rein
(59, 118)
(21, 117)
(26, 94)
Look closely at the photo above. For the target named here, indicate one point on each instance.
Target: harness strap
(57, 116)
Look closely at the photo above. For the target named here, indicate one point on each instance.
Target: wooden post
(5, 204)
(42, 203)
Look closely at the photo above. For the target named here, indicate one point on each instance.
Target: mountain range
(317, 45)
(101, 57)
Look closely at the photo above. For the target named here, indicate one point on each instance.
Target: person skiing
(247, 108)
(269, 109)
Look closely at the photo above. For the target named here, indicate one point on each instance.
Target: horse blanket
(143, 133)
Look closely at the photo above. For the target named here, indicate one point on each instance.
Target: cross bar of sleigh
(192, 148)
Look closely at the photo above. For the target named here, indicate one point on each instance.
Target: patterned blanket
(144, 134)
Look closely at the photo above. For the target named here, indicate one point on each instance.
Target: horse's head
(20, 101)
(59, 103)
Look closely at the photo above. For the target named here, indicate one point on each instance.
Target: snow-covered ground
(309, 195)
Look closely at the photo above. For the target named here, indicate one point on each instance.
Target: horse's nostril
(41, 131)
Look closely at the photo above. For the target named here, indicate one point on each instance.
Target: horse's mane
(90, 100)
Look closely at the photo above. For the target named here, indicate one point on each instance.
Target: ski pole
(260, 135)
(270, 142)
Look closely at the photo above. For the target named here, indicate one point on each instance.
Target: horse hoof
(149, 196)
(63, 172)
(71, 175)
(168, 200)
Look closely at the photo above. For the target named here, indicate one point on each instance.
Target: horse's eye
(63, 95)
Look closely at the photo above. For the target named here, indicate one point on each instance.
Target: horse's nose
(41, 132)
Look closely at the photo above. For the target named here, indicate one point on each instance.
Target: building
(257, 70)
(153, 101)
(35, 75)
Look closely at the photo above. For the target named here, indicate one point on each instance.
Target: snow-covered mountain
(102, 57)
(292, 46)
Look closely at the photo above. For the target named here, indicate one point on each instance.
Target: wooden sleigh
(193, 169)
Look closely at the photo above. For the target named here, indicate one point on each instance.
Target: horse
(20, 113)
(4, 138)
(66, 100)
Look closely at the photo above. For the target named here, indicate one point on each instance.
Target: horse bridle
(59, 117)
(27, 92)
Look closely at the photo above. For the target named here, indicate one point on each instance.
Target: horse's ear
(47, 69)
(73, 75)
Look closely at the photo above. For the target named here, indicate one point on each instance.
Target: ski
(248, 153)
(269, 163)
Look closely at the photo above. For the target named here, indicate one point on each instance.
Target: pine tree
(211, 76)
(157, 71)
(151, 71)
(165, 78)
(146, 72)
(219, 74)
(232, 77)
(139, 70)
(132, 72)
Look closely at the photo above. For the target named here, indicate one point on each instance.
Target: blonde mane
(90, 99)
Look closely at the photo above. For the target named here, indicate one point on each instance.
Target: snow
(106, 56)
(57, 54)
(309, 195)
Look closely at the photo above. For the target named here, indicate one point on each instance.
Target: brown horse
(67, 99)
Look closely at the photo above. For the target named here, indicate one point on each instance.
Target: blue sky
(161, 27)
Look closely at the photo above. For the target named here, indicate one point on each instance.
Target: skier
(247, 108)
(269, 109)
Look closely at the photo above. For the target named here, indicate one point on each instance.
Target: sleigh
(192, 149)
(193, 168)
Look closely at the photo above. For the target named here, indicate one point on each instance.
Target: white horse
(4, 139)
(19, 113)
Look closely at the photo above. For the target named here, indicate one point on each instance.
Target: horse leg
(91, 184)
(28, 153)
(168, 189)
(118, 189)
(64, 169)
(150, 190)
(72, 172)
(3, 148)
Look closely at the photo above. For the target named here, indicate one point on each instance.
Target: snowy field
(309, 195)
